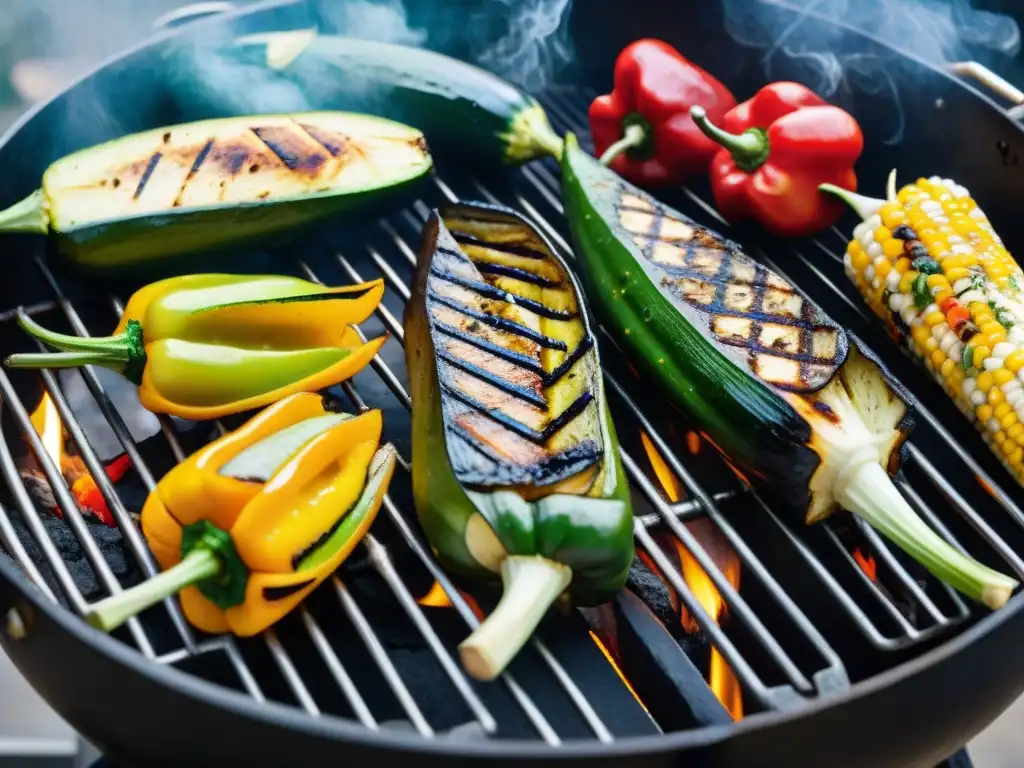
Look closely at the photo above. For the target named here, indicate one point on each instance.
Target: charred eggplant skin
(592, 533)
(709, 381)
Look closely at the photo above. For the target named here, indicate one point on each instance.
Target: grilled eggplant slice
(795, 402)
(515, 459)
(198, 186)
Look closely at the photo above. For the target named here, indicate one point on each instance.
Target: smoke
(536, 46)
(383, 20)
(938, 31)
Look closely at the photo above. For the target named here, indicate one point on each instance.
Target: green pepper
(796, 403)
(205, 346)
(515, 460)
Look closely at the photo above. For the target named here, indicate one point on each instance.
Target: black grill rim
(953, 658)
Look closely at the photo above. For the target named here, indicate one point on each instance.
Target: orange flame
(692, 442)
(611, 661)
(867, 564)
(436, 597)
(721, 678)
(47, 423)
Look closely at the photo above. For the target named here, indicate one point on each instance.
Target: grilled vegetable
(458, 106)
(248, 526)
(930, 265)
(515, 459)
(204, 346)
(794, 401)
(200, 186)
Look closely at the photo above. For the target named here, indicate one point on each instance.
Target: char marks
(514, 356)
(785, 339)
(154, 160)
(292, 147)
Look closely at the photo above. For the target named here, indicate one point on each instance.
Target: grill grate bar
(72, 518)
(533, 713)
(10, 542)
(337, 670)
(382, 563)
(32, 521)
(380, 656)
(389, 275)
(291, 674)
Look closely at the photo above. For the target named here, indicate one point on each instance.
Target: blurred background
(47, 44)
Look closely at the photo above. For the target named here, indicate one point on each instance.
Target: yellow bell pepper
(205, 346)
(248, 526)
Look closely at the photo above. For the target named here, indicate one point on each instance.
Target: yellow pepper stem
(532, 584)
(199, 565)
(124, 352)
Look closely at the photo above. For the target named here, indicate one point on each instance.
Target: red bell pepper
(777, 147)
(642, 129)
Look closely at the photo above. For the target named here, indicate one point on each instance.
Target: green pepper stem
(869, 493)
(532, 583)
(749, 149)
(29, 215)
(634, 136)
(199, 565)
(123, 352)
(863, 206)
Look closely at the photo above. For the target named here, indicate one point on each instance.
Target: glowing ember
(436, 598)
(721, 678)
(46, 420)
(867, 564)
(692, 442)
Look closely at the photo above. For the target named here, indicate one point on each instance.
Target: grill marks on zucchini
(252, 160)
(515, 361)
(751, 312)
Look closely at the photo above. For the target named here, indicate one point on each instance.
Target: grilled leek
(796, 403)
(198, 186)
(515, 459)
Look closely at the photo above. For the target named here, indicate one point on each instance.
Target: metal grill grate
(775, 649)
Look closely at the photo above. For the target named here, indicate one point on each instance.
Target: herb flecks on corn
(929, 263)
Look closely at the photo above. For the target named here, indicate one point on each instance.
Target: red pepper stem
(198, 565)
(634, 136)
(749, 149)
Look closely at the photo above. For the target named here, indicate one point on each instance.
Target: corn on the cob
(929, 263)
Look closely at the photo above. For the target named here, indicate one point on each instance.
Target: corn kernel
(920, 334)
(981, 351)
(892, 247)
(986, 381)
(938, 281)
(938, 356)
(908, 192)
(956, 273)
(1008, 421)
(1015, 360)
(907, 281)
(1001, 410)
(947, 367)
(1016, 432)
(892, 215)
(934, 318)
(983, 413)
(902, 265)
(858, 258)
(942, 294)
(996, 396)
(1017, 458)
(1008, 447)
(1003, 376)
(883, 268)
(995, 332)
(882, 234)
(999, 438)
(930, 344)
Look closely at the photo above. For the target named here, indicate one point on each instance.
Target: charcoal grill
(839, 665)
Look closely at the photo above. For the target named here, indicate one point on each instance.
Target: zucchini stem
(530, 135)
(532, 584)
(29, 215)
(862, 205)
(869, 493)
(200, 564)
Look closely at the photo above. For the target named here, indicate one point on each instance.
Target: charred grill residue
(144, 179)
(286, 142)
